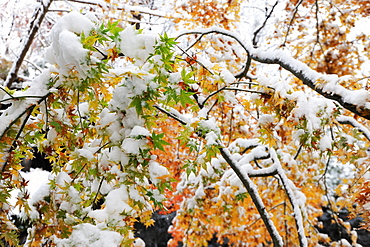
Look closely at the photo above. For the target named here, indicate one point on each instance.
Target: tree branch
(35, 26)
(351, 121)
(352, 100)
(255, 34)
(253, 192)
(248, 184)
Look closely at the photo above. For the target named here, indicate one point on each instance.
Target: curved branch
(351, 121)
(252, 190)
(356, 101)
(255, 34)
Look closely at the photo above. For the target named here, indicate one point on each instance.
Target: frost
(87, 235)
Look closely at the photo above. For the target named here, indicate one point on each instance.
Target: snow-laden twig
(355, 124)
(173, 114)
(356, 101)
(253, 192)
(35, 26)
(247, 182)
(290, 189)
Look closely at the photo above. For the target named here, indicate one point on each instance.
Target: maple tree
(240, 135)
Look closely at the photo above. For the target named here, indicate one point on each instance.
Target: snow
(211, 138)
(133, 146)
(66, 49)
(136, 46)
(325, 143)
(138, 131)
(87, 152)
(157, 171)
(266, 119)
(115, 204)
(37, 186)
(87, 235)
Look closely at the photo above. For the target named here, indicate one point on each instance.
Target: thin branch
(123, 7)
(307, 75)
(253, 192)
(255, 34)
(351, 121)
(288, 187)
(232, 89)
(21, 114)
(35, 26)
(195, 60)
(171, 114)
(291, 21)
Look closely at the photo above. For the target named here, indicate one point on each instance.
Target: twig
(36, 23)
(355, 124)
(170, 114)
(122, 7)
(254, 41)
(291, 21)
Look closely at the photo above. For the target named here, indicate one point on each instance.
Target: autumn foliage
(246, 137)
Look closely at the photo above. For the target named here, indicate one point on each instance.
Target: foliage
(240, 137)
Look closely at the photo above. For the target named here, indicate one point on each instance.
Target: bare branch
(291, 21)
(124, 7)
(35, 25)
(255, 34)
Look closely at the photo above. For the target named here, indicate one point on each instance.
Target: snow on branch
(297, 199)
(356, 101)
(355, 124)
(245, 179)
(253, 192)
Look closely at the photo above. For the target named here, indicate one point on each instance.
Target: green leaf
(158, 141)
(241, 196)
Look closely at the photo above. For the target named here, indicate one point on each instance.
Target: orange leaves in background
(208, 13)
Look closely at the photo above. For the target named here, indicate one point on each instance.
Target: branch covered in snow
(253, 192)
(356, 101)
(248, 183)
(355, 124)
